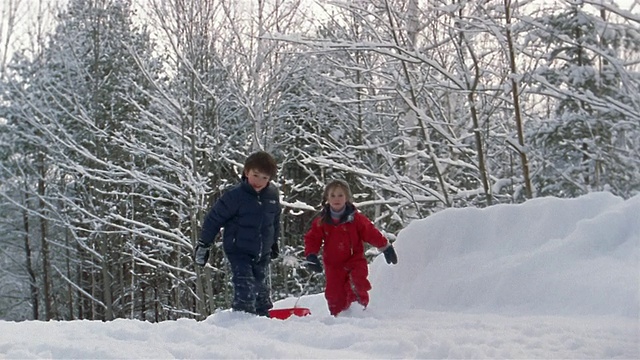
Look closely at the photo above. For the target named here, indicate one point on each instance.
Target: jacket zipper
(260, 228)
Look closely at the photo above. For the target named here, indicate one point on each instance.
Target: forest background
(122, 121)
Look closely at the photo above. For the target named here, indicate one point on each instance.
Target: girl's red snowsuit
(346, 268)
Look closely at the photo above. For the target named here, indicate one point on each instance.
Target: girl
(343, 230)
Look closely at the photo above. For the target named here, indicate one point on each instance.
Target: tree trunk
(44, 244)
(479, 148)
(94, 292)
(413, 14)
(472, 86)
(516, 103)
(143, 303)
(83, 280)
(33, 286)
(70, 289)
(156, 301)
(106, 279)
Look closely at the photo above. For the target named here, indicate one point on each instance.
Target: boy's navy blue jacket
(251, 220)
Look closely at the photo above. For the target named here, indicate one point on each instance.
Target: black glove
(201, 254)
(313, 263)
(390, 255)
(275, 251)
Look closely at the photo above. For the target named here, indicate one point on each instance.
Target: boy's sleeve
(223, 210)
(276, 225)
(313, 238)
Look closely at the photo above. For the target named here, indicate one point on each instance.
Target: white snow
(549, 278)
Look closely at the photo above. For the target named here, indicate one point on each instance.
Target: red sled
(286, 313)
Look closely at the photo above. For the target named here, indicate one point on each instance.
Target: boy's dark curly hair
(263, 162)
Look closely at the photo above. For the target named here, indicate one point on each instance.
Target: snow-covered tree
(70, 105)
(588, 142)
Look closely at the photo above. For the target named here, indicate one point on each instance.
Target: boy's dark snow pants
(251, 293)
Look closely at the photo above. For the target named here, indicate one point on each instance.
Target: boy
(343, 230)
(249, 212)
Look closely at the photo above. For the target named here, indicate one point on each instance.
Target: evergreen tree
(77, 104)
(587, 143)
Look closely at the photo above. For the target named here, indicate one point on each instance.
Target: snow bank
(547, 256)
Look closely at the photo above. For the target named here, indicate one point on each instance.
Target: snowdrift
(547, 256)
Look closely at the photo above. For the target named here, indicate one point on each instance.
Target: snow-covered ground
(549, 278)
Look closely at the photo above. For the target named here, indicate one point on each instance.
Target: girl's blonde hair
(337, 183)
